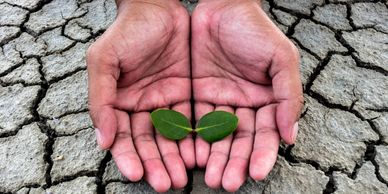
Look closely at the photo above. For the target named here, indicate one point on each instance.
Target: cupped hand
(139, 64)
(242, 63)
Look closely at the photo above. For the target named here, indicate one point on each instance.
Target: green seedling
(171, 124)
(212, 127)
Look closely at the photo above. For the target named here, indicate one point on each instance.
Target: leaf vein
(207, 127)
(176, 125)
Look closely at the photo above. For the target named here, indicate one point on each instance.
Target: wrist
(161, 3)
(168, 5)
(118, 2)
(229, 2)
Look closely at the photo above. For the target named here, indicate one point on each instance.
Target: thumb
(103, 71)
(105, 123)
(288, 92)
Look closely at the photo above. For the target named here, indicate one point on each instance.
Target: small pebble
(58, 158)
(56, 121)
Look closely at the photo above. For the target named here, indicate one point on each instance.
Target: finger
(202, 148)
(143, 134)
(124, 152)
(172, 161)
(186, 145)
(288, 93)
(266, 143)
(103, 72)
(218, 158)
(236, 170)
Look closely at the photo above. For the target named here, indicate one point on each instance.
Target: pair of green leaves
(212, 127)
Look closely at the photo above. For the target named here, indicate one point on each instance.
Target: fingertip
(230, 184)
(260, 168)
(105, 125)
(212, 184)
(190, 163)
(235, 174)
(133, 170)
(136, 175)
(202, 159)
(201, 162)
(157, 176)
(257, 175)
(162, 186)
(103, 144)
(294, 133)
(289, 135)
(180, 182)
(129, 165)
(99, 139)
(210, 179)
(287, 115)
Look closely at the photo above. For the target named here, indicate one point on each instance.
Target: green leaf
(171, 124)
(216, 125)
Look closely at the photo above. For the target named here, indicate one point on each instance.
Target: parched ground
(47, 142)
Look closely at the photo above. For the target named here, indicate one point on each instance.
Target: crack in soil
(101, 170)
(370, 156)
(66, 75)
(330, 186)
(286, 153)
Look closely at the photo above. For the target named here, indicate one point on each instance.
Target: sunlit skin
(240, 62)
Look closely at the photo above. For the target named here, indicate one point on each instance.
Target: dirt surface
(47, 142)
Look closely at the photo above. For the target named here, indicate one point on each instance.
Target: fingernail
(98, 136)
(295, 131)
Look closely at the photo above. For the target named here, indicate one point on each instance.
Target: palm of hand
(232, 54)
(154, 62)
(235, 48)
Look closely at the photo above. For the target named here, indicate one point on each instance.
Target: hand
(242, 60)
(139, 64)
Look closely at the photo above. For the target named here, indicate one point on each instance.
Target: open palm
(139, 64)
(242, 63)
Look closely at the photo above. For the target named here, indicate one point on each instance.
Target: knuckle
(170, 154)
(242, 134)
(123, 153)
(264, 130)
(123, 134)
(217, 153)
(144, 137)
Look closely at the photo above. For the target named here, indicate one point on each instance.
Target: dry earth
(47, 142)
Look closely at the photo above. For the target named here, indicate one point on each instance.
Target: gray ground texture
(47, 142)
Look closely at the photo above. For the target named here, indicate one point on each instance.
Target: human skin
(242, 63)
(139, 64)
